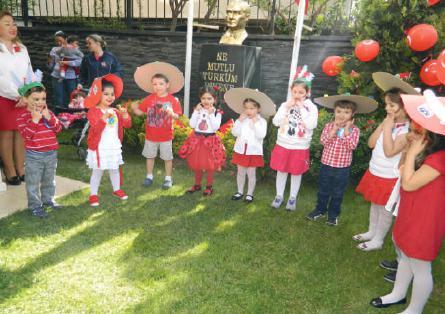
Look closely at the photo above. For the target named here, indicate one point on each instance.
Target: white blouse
(203, 122)
(251, 134)
(15, 67)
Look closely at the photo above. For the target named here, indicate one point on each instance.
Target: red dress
(420, 224)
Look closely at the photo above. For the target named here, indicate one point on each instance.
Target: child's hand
(45, 113)
(198, 107)
(105, 116)
(242, 117)
(210, 110)
(388, 122)
(417, 145)
(290, 104)
(349, 124)
(36, 115)
(123, 111)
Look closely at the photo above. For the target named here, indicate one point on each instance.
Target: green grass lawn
(163, 251)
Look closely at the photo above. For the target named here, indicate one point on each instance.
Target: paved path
(14, 198)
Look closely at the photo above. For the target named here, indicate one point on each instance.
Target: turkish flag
(306, 7)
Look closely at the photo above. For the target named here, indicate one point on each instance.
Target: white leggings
(417, 271)
(295, 182)
(241, 179)
(96, 177)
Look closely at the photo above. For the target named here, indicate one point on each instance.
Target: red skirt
(203, 152)
(8, 114)
(244, 160)
(375, 189)
(293, 161)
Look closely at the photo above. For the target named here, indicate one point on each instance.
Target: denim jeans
(62, 89)
(332, 183)
(40, 177)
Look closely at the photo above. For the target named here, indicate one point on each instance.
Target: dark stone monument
(227, 66)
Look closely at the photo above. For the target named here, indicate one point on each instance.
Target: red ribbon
(306, 7)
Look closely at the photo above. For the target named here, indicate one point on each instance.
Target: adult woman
(15, 66)
(98, 62)
(63, 84)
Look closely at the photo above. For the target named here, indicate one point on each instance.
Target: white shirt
(291, 133)
(250, 133)
(109, 139)
(382, 166)
(203, 122)
(14, 68)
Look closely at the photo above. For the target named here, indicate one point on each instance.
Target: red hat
(95, 93)
(428, 111)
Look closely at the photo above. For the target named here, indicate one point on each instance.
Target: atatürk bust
(237, 15)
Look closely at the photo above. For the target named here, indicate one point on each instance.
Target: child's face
(75, 44)
(36, 101)
(299, 92)
(394, 108)
(107, 96)
(343, 115)
(250, 110)
(160, 86)
(207, 100)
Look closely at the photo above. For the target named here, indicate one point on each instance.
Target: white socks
(295, 182)
(96, 177)
(420, 273)
(241, 179)
(373, 219)
(251, 175)
(383, 225)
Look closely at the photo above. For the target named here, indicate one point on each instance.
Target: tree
(176, 6)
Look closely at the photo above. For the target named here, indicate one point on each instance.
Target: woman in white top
(15, 66)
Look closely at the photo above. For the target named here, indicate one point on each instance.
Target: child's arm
(97, 121)
(310, 122)
(28, 128)
(392, 147)
(260, 128)
(126, 118)
(374, 136)
(52, 121)
(351, 138)
(329, 133)
(415, 179)
(137, 108)
(280, 115)
(194, 119)
(236, 129)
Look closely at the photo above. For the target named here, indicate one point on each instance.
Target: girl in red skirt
(204, 150)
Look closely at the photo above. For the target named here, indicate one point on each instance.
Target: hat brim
(235, 97)
(144, 74)
(386, 81)
(420, 112)
(95, 92)
(364, 104)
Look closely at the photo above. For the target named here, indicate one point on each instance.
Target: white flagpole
(188, 57)
(297, 40)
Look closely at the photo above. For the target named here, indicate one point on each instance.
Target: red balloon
(332, 65)
(367, 50)
(432, 2)
(422, 37)
(441, 67)
(428, 73)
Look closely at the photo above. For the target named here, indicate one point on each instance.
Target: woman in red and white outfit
(105, 134)
(15, 66)
(203, 149)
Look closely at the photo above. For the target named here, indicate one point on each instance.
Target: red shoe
(208, 191)
(194, 188)
(121, 194)
(94, 200)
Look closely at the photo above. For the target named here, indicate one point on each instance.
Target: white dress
(110, 147)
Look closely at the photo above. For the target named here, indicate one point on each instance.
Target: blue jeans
(40, 177)
(62, 89)
(332, 183)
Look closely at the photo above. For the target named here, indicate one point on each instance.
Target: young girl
(296, 119)
(250, 129)
(420, 224)
(203, 149)
(105, 134)
(387, 141)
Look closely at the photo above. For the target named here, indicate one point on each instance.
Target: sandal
(237, 196)
(248, 199)
(208, 191)
(194, 188)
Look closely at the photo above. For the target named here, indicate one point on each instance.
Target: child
(69, 56)
(161, 107)
(249, 129)
(203, 149)
(77, 99)
(387, 141)
(339, 139)
(105, 134)
(296, 119)
(39, 127)
(419, 228)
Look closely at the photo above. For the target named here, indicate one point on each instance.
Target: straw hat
(235, 97)
(95, 93)
(386, 81)
(144, 74)
(364, 104)
(427, 111)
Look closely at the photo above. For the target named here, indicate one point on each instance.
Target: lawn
(163, 251)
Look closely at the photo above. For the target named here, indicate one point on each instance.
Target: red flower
(215, 88)
(370, 122)
(17, 48)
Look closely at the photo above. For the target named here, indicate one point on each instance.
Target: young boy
(340, 139)
(161, 109)
(38, 127)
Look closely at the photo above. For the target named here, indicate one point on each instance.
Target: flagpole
(297, 40)
(188, 57)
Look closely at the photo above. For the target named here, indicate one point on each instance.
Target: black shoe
(248, 199)
(391, 276)
(389, 265)
(13, 181)
(332, 221)
(53, 205)
(377, 302)
(22, 178)
(237, 196)
(314, 215)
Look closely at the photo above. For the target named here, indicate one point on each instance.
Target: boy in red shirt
(39, 127)
(161, 108)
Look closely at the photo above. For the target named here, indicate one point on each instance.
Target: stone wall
(135, 48)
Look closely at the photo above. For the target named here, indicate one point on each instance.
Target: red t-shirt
(159, 124)
(420, 224)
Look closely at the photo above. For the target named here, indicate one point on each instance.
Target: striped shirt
(41, 136)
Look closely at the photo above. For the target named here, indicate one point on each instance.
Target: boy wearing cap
(39, 127)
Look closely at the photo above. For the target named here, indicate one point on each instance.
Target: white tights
(380, 221)
(295, 182)
(417, 271)
(96, 177)
(241, 179)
